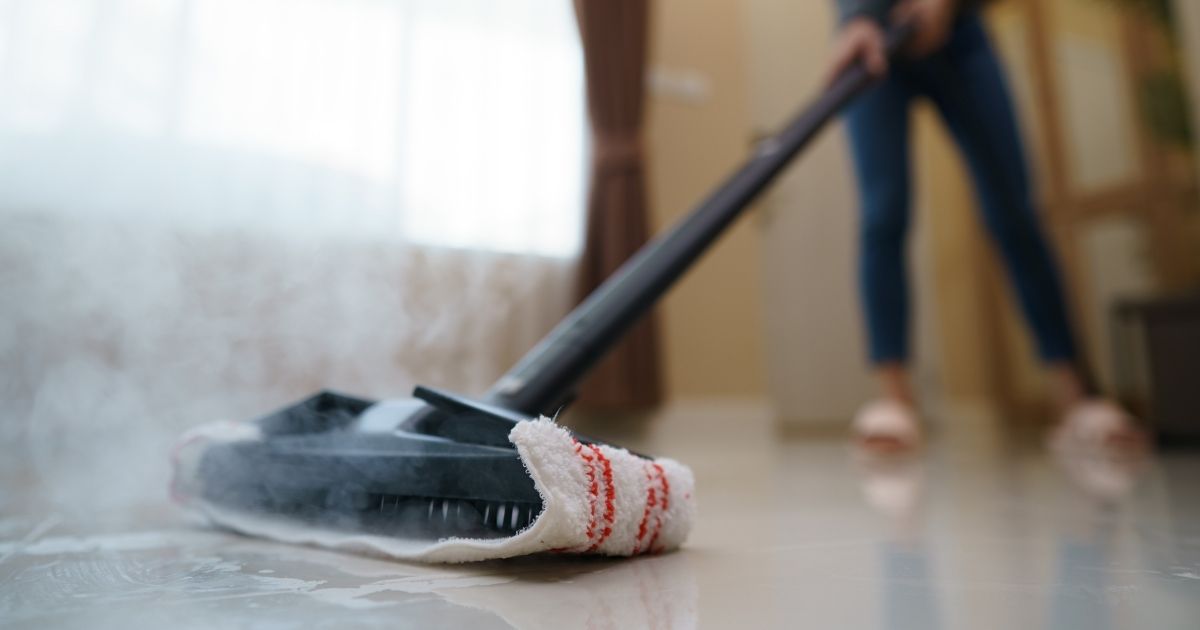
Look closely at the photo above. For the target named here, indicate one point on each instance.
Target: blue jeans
(966, 84)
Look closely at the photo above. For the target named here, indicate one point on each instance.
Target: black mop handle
(547, 374)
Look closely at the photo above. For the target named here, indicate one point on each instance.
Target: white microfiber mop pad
(596, 500)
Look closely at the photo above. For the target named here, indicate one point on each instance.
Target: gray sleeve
(876, 9)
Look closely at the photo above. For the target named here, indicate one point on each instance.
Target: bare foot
(1098, 425)
(887, 427)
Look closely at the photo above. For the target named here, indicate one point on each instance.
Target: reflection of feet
(1099, 475)
(887, 427)
(1097, 426)
(892, 485)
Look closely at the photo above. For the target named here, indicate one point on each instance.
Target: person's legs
(878, 126)
(967, 84)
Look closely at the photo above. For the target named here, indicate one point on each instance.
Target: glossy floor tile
(984, 531)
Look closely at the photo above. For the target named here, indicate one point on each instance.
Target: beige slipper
(1098, 425)
(887, 426)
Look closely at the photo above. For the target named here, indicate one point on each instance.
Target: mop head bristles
(596, 499)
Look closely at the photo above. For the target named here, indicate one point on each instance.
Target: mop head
(596, 499)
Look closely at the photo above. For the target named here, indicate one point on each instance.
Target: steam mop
(445, 477)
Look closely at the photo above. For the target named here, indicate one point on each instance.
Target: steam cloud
(116, 335)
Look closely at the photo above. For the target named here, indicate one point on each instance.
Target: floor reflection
(893, 486)
(1099, 518)
(657, 593)
(1085, 594)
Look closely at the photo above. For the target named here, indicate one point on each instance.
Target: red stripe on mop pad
(596, 500)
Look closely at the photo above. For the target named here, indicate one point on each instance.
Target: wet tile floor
(982, 531)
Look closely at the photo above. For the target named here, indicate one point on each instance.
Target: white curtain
(209, 208)
(445, 122)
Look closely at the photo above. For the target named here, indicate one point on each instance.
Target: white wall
(697, 134)
(815, 357)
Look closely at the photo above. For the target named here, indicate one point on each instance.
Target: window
(455, 123)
